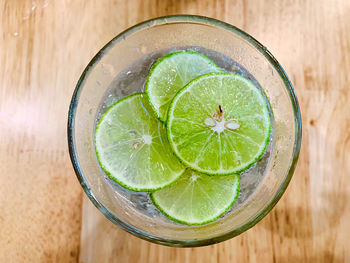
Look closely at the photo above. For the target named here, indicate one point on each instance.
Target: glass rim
(204, 21)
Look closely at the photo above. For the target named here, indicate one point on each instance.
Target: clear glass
(159, 34)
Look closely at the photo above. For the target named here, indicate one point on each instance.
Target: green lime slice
(171, 73)
(197, 199)
(132, 147)
(219, 124)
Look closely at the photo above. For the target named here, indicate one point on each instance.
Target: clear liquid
(133, 79)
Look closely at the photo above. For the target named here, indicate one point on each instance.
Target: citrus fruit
(132, 148)
(171, 73)
(196, 199)
(219, 124)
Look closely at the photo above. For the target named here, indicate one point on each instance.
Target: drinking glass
(132, 211)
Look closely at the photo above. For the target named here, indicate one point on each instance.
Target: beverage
(122, 67)
(132, 80)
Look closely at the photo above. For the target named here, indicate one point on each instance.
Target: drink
(121, 68)
(132, 80)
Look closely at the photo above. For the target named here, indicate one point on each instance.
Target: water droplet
(26, 16)
(98, 82)
(143, 49)
(108, 69)
(33, 6)
(15, 34)
(109, 101)
(46, 3)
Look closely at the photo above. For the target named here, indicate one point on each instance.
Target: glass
(162, 33)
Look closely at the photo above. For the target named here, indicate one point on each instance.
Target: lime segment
(132, 146)
(219, 124)
(196, 199)
(171, 73)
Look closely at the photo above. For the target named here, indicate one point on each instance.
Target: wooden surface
(45, 45)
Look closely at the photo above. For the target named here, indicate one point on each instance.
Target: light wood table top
(45, 45)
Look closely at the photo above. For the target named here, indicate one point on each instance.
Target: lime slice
(132, 147)
(219, 124)
(171, 73)
(197, 199)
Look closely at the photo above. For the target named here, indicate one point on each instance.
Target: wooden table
(45, 45)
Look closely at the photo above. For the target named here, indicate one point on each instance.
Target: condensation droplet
(143, 49)
(108, 69)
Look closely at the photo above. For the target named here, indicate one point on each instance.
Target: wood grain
(44, 46)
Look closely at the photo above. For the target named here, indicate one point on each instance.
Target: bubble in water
(195, 49)
(109, 101)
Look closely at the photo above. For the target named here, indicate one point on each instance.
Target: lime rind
(173, 175)
(148, 86)
(219, 213)
(221, 172)
(138, 189)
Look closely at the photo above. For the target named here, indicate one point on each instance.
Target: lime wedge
(197, 199)
(132, 147)
(219, 124)
(171, 73)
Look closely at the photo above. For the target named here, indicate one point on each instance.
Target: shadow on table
(166, 7)
(304, 221)
(323, 257)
